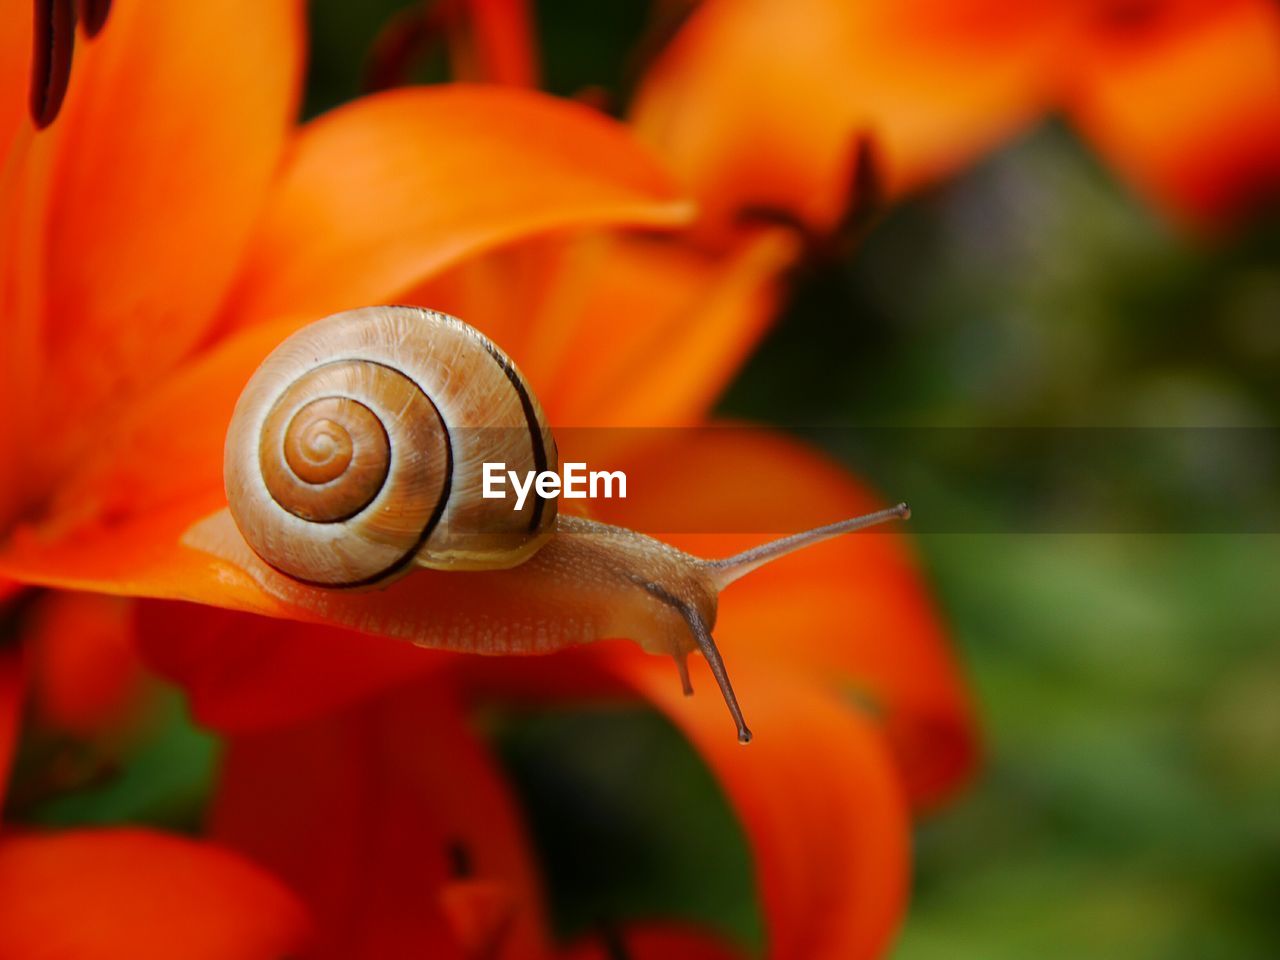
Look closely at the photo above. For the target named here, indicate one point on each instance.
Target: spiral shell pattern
(357, 450)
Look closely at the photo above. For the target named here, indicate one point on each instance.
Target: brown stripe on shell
(536, 444)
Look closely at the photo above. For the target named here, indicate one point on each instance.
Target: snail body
(355, 455)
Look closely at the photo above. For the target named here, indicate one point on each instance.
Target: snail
(355, 455)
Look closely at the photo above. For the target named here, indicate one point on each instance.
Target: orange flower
(1182, 97)
(140, 894)
(377, 813)
(85, 675)
(117, 322)
(376, 729)
(341, 742)
(781, 107)
(173, 200)
(130, 892)
(759, 105)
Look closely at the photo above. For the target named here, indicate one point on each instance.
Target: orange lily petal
(654, 942)
(382, 192)
(108, 894)
(392, 822)
(617, 328)
(760, 105)
(86, 669)
(182, 421)
(162, 556)
(480, 914)
(855, 610)
(15, 68)
(168, 141)
(512, 294)
(24, 188)
(663, 328)
(244, 672)
(113, 523)
(1184, 101)
(121, 529)
(116, 526)
(818, 797)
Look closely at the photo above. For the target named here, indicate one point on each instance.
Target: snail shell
(356, 450)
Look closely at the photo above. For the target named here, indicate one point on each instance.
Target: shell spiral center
(325, 460)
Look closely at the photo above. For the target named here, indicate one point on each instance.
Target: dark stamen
(754, 214)
(615, 947)
(53, 41)
(865, 202)
(14, 615)
(404, 43)
(866, 189)
(93, 16)
(460, 865)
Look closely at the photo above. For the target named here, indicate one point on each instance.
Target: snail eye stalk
(709, 650)
(682, 667)
(726, 571)
(707, 645)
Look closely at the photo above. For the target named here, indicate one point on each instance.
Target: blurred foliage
(1129, 684)
(628, 822)
(156, 768)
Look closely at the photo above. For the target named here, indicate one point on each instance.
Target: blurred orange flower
(760, 105)
(765, 106)
(382, 732)
(353, 772)
(1182, 98)
(141, 894)
(171, 200)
